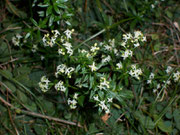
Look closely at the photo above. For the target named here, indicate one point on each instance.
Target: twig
(105, 2)
(10, 91)
(173, 26)
(9, 28)
(40, 115)
(10, 116)
(165, 50)
(8, 62)
(9, 50)
(12, 133)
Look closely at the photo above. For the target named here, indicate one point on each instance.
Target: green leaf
(34, 22)
(42, 5)
(155, 36)
(49, 11)
(169, 14)
(51, 20)
(11, 86)
(81, 100)
(127, 94)
(12, 9)
(57, 10)
(145, 121)
(164, 126)
(22, 97)
(176, 115)
(6, 73)
(92, 129)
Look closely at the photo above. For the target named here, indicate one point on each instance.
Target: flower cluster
(65, 44)
(94, 49)
(103, 104)
(50, 40)
(44, 84)
(130, 39)
(34, 48)
(158, 86)
(119, 65)
(103, 83)
(93, 67)
(73, 103)
(60, 86)
(106, 59)
(68, 47)
(135, 72)
(16, 40)
(176, 76)
(151, 77)
(127, 53)
(110, 46)
(169, 69)
(63, 69)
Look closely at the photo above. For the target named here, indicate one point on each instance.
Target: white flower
(116, 52)
(110, 100)
(176, 76)
(158, 86)
(107, 111)
(44, 84)
(134, 72)
(108, 48)
(123, 44)
(68, 33)
(107, 59)
(75, 96)
(42, 57)
(68, 46)
(127, 36)
(84, 51)
(69, 71)
(60, 86)
(64, 69)
(56, 33)
(18, 36)
(44, 79)
(144, 39)
(119, 65)
(93, 67)
(102, 105)
(34, 48)
(60, 51)
(61, 68)
(138, 34)
(103, 83)
(136, 44)
(96, 98)
(126, 54)
(72, 103)
(151, 76)
(149, 81)
(112, 42)
(154, 90)
(152, 6)
(169, 69)
(94, 49)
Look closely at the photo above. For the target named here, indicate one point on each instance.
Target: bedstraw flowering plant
(101, 74)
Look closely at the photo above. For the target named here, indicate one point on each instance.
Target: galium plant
(84, 77)
(103, 73)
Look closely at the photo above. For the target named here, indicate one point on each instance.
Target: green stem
(103, 30)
